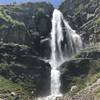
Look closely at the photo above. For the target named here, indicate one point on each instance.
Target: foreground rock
(90, 93)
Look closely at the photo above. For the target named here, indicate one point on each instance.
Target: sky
(54, 2)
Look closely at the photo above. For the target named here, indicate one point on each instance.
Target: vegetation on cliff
(82, 71)
(22, 27)
(25, 35)
(22, 72)
(83, 16)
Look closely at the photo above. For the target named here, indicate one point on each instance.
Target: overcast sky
(54, 2)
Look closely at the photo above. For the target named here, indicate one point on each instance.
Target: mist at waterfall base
(64, 44)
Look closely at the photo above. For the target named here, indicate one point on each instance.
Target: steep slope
(80, 72)
(20, 67)
(28, 24)
(83, 16)
(24, 39)
(91, 92)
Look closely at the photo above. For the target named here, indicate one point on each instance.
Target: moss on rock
(82, 70)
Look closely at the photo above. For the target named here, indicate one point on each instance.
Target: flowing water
(64, 43)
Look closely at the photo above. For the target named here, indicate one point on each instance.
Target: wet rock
(74, 89)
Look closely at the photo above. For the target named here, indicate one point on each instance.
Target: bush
(98, 22)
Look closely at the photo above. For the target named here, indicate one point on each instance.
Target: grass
(3, 66)
(98, 22)
(3, 26)
(7, 85)
(97, 94)
(92, 79)
(92, 76)
(7, 18)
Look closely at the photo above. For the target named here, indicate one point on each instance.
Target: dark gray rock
(23, 66)
(28, 24)
(80, 69)
(82, 16)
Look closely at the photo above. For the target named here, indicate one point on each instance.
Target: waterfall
(64, 43)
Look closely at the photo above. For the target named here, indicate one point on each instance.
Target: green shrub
(98, 22)
(3, 66)
(7, 18)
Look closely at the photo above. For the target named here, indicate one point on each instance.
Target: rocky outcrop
(89, 93)
(81, 71)
(28, 23)
(24, 41)
(80, 11)
(76, 72)
(19, 65)
(84, 17)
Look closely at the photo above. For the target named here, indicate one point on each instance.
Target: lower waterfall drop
(64, 44)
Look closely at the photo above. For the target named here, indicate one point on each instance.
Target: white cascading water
(64, 43)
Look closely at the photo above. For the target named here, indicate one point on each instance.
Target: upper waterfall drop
(64, 44)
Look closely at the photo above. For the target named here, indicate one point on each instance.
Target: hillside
(83, 70)
(83, 16)
(24, 32)
(28, 24)
(25, 50)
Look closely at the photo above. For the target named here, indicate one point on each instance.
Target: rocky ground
(91, 92)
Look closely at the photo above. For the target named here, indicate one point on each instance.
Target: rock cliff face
(28, 24)
(83, 16)
(84, 69)
(24, 41)
(81, 71)
(19, 65)
(91, 92)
